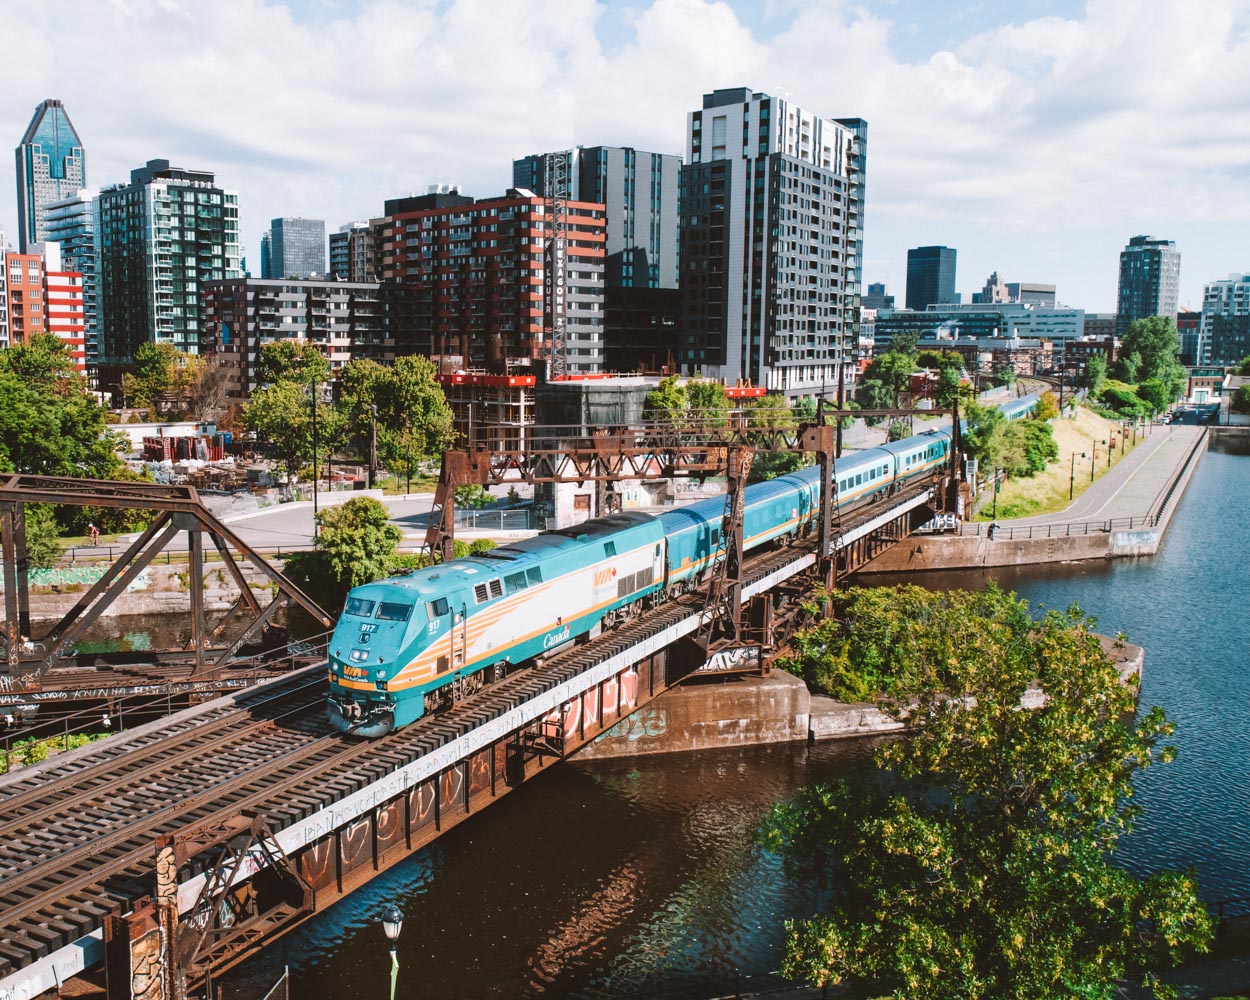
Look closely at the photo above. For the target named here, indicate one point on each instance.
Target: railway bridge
(150, 861)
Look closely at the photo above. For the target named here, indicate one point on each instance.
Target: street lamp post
(1072, 477)
(1092, 459)
(1110, 451)
(392, 924)
(994, 515)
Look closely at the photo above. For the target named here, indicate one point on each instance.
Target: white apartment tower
(771, 242)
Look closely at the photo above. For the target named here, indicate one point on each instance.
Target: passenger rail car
(413, 643)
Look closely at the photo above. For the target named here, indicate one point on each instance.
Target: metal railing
(1066, 530)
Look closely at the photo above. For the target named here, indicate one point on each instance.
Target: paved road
(1132, 486)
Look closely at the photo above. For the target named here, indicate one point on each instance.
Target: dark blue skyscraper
(930, 277)
(51, 166)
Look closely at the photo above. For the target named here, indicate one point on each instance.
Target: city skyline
(1023, 136)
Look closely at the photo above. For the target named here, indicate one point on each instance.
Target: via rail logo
(555, 638)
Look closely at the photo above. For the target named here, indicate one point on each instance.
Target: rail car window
(359, 606)
(609, 548)
(390, 612)
(859, 480)
(534, 575)
(437, 608)
(515, 582)
(716, 536)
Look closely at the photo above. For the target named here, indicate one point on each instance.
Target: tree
(356, 545)
(282, 415)
(1047, 406)
(1241, 400)
(948, 388)
(291, 361)
(1157, 343)
(413, 417)
(707, 404)
(208, 389)
(666, 403)
(49, 425)
(1128, 367)
(153, 374)
(1243, 366)
(1154, 392)
(980, 423)
(1024, 447)
(1095, 374)
(770, 412)
(905, 341)
(981, 867)
(1003, 375)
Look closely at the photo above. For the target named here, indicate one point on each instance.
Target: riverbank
(745, 710)
(1124, 514)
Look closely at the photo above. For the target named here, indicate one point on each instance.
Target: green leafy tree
(666, 403)
(1155, 393)
(414, 419)
(1128, 367)
(981, 867)
(1243, 367)
(707, 404)
(281, 414)
(1155, 340)
(980, 423)
(43, 536)
(1003, 375)
(949, 387)
(1094, 376)
(153, 375)
(49, 425)
(356, 545)
(291, 361)
(1241, 400)
(905, 341)
(1025, 447)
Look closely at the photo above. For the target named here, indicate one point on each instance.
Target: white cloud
(1130, 117)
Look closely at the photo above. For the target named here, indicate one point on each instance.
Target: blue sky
(1035, 137)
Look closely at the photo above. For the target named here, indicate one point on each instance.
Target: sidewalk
(1133, 486)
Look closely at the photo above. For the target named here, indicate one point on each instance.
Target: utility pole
(373, 442)
(316, 473)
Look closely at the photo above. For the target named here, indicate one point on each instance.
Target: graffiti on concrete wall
(83, 575)
(647, 723)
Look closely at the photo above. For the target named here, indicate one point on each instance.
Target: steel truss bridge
(161, 856)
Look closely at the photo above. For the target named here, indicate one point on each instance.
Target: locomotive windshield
(389, 612)
(359, 606)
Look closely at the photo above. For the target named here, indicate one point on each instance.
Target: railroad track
(77, 840)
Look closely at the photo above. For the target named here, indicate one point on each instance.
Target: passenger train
(406, 645)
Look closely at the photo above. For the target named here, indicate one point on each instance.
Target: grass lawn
(1047, 493)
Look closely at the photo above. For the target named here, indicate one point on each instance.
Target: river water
(615, 878)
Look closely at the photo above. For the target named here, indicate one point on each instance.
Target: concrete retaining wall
(747, 711)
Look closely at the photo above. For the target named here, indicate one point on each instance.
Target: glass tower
(51, 166)
(930, 277)
(1150, 277)
(297, 248)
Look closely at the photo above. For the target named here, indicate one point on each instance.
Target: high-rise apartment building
(1224, 335)
(74, 224)
(342, 319)
(1150, 277)
(639, 192)
(297, 248)
(471, 279)
(162, 236)
(41, 296)
(771, 241)
(353, 253)
(51, 165)
(931, 277)
(266, 255)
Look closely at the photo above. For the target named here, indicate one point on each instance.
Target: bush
(1047, 407)
(1241, 400)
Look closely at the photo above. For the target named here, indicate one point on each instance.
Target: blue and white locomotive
(403, 645)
